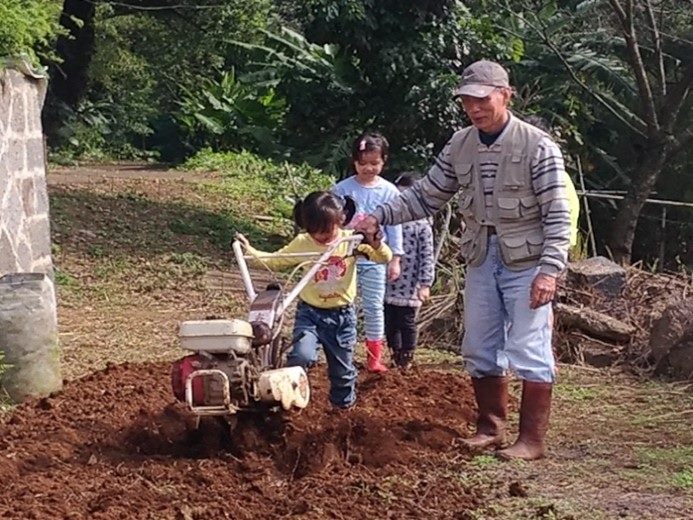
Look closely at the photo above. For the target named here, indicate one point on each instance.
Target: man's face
(490, 113)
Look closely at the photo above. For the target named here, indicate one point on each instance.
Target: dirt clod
(516, 489)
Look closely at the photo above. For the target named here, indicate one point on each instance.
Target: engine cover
(216, 336)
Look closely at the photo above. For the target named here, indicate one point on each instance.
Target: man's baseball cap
(480, 78)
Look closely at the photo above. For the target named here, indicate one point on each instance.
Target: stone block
(671, 340)
(37, 88)
(598, 273)
(39, 236)
(29, 336)
(18, 113)
(24, 254)
(35, 155)
(28, 190)
(5, 101)
(4, 180)
(15, 156)
(41, 193)
(12, 212)
(8, 263)
(44, 265)
(32, 126)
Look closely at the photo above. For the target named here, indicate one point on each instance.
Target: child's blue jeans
(335, 331)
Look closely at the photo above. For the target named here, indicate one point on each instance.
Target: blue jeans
(370, 281)
(501, 331)
(335, 331)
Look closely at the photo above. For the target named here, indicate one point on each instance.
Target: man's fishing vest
(515, 212)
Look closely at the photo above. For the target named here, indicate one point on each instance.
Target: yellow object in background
(574, 204)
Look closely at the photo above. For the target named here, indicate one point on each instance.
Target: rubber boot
(374, 349)
(492, 400)
(535, 409)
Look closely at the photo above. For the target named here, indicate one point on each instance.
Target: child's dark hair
(367, 142)
(405, 179)
(321, 210)
(539, 122)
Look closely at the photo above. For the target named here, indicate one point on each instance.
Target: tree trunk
(626, 221)
(69, 79)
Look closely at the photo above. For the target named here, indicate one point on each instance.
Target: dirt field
(113, 445)
(138, 250)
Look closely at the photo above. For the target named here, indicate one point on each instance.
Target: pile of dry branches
(645, 297)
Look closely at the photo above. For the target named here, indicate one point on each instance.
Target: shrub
(28, 28)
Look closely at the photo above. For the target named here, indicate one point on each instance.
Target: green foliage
(229, 115)
(578, 74)
(28, 28)
(145, 64)
(273, 186)
(361, 64)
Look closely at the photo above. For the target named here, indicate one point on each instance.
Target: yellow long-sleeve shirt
(334, 285)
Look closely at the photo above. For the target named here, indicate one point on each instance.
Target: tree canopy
(297, 80)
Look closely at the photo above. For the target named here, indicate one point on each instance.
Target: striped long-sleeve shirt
(548, 181)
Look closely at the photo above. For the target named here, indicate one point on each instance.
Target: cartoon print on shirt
(333, 271)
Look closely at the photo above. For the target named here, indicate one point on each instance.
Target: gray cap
(480, 78)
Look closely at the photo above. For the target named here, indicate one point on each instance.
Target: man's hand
(543, 290)
(368, 225)
(393, 269)
(424, 293)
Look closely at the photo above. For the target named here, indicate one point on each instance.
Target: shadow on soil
(101, 225)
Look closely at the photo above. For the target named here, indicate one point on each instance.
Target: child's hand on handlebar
(241, 238)
(372, 239)
(367, 224)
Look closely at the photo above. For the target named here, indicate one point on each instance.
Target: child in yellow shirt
(325, 314)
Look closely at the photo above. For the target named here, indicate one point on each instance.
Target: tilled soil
(115, 444)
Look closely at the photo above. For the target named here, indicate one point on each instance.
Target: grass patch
(110, 267)
(658, 457)
(189, 263)
(481, 461)
(260, 185)
(684, 478)
(576, 393)
(64, 279)
(434, 356)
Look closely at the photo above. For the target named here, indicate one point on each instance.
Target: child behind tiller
(325, 313)
(369, 153)
(404, 296)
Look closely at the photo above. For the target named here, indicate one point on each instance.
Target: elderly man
(512, 198)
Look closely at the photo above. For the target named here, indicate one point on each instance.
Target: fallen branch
(593, 323)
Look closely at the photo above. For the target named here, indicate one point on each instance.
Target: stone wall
(24, 227)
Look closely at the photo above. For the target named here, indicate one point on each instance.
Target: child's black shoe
(403, 358)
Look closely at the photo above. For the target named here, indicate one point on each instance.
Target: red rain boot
(374, 349)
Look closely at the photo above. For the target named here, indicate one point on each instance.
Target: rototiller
(238, 365)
